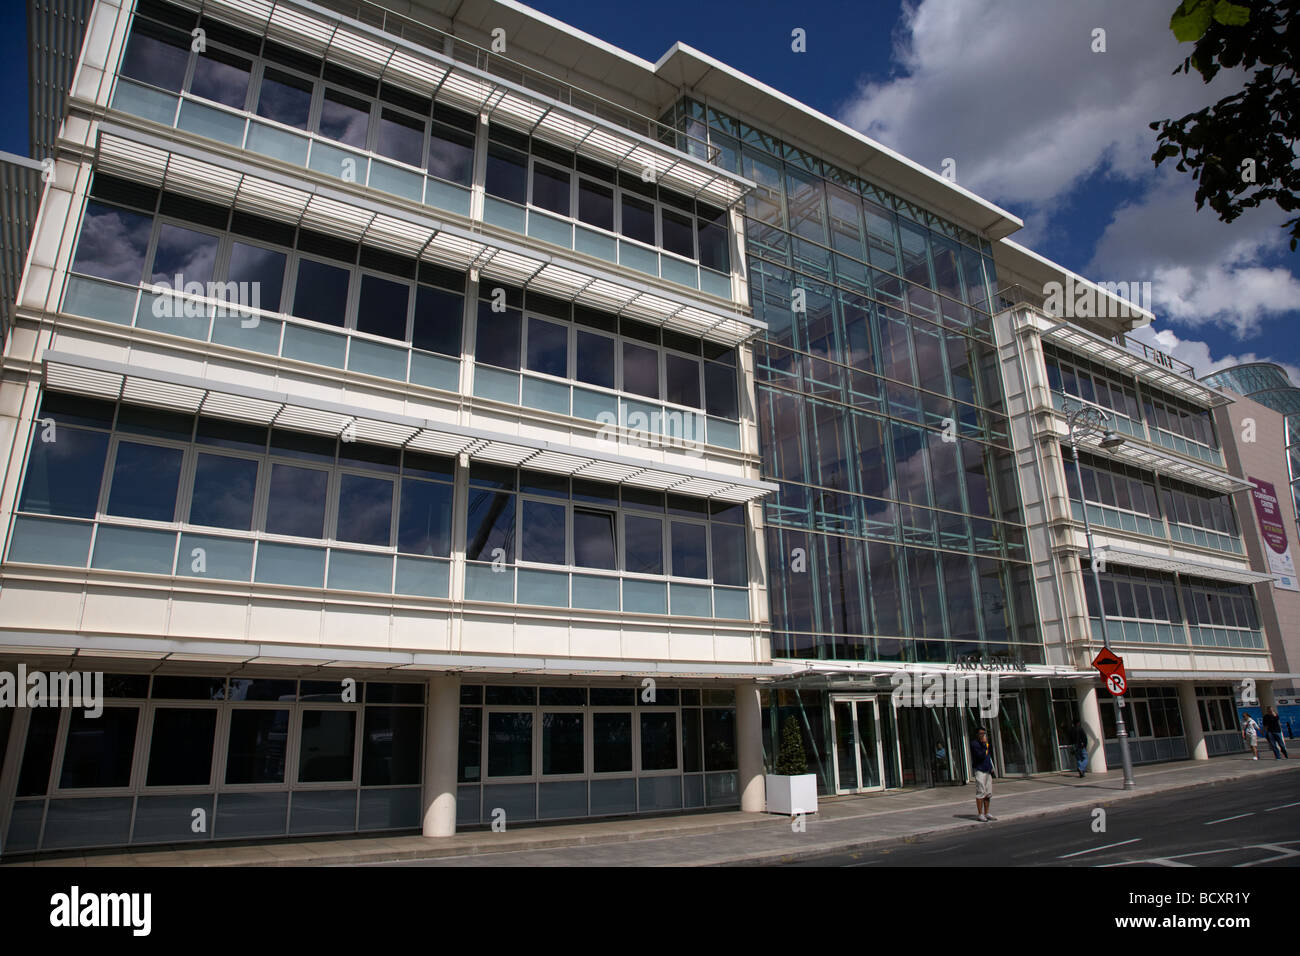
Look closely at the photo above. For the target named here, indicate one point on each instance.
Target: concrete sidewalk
(705, 839)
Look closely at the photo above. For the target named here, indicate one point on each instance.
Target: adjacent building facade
(434, 418)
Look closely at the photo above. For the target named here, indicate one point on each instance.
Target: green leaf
(1191, 20)
(1231, 14)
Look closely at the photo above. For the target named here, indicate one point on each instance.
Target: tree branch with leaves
(1241, 151)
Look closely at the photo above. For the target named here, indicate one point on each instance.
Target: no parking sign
(1111, 667)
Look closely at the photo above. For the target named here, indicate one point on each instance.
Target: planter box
(791, 795)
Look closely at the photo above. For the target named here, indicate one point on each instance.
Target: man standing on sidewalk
(1273, 731)
(1079, 740)
(981, 754)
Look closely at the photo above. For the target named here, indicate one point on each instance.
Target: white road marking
(1170, 863)
(1283, 806)
(1211, 823)
(1108, 846)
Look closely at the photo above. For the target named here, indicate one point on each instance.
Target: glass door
(1013, 751)
(858, 758)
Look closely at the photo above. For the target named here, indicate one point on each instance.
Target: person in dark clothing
(1079, 741)
(981, 761)
(1273, 731)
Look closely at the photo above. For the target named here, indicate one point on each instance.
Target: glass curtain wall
(896, 532)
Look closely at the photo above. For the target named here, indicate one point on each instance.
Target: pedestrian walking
(1079, 740)
(1250, 731)
(1273, 731)
(981, 753)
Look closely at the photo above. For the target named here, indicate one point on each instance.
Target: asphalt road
(1251, 822)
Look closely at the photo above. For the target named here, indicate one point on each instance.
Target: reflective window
(690, 554)
(345, 118)
(424, 526)
(327, 743)
(184, 253)
(658, 741)
(562, 743)
(256, 746)
(593, 539)
(99, 750)
(497, 337)
(112, 242)
(64, 475)
(296, 505)
(543, 533)
(437, 322)
(638, 220)
(683, 380)
(224, 488)
(381, 308)
(284, 98)
(400, 137)
(262, 269)
(551, 188)
(451, 150)
(611, 736)
(365, 509)
(719, 727)
(640, 370)
(391, 746)
(729, 564)
(595, 359)
(156, 55)
(490, 525)
(643, 550)
(548, 347)
(221, 77)
(321, 294)
(145, 479)
(509, 744)
(596, 204)
(678, 233)
(180, 748)
(720, 395)
(507, 174)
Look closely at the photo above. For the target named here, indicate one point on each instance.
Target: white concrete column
(1192, 728)
(441, 739)
(1090, 717)
(1264, 691)
(749, 748)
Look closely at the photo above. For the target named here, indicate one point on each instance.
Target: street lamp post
(1090, 420)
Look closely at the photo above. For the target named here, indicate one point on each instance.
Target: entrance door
(858, 759)
(932, 746)
(1012, 736)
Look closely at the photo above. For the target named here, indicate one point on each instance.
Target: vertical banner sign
(1276, 547)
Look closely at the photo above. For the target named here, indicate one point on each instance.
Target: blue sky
(1036, 119)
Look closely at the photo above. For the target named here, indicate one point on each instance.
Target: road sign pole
(1121, 731)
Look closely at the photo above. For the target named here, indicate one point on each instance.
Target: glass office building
(412, 437)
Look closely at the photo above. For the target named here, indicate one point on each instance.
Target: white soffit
(1082, 342)
(1141, 455)
(1157, 562)
(142, 157)
(368, 50)
(82, 375)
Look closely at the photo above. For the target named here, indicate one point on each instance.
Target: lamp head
(1111, 440)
